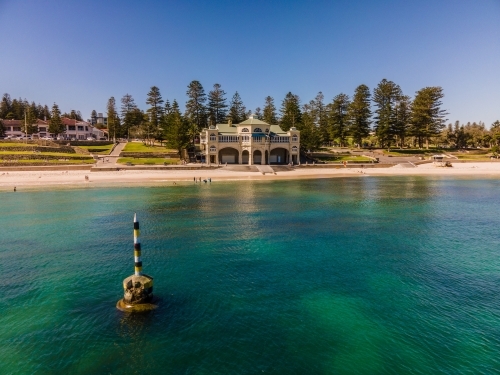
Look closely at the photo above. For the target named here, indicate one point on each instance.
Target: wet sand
(41, 179)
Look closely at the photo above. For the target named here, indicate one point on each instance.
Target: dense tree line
(18, 109)
(383, 117)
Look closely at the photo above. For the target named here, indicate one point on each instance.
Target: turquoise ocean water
(331, 276)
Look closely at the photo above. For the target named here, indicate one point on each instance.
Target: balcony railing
(247, 139)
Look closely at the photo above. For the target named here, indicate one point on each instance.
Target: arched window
(244, 130)
(267, 130)
(295, 138)
(294, 149)
(213, 149)
(213, 137)
(257, 130)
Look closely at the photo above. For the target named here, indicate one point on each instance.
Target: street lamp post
(25, 127)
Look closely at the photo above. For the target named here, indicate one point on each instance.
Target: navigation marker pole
(137, 248)
(138, 288)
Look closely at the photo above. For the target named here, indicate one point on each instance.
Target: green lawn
(98, 149)
(60, 154)
(472, 157)
(39, 161)
(17, 144)
(149, 161)
(412, 152)
(141, 147)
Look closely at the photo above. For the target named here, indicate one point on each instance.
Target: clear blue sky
(79, 53)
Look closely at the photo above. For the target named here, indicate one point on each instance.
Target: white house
(74, 129)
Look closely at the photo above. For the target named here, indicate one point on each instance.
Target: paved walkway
(119, 148)
(111, 159)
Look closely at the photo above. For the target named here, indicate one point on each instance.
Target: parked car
(90, 139)
(48, 138)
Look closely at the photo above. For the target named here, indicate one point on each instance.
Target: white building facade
(251, 142)
(74, 129)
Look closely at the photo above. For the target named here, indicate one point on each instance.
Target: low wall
(84, 143)
(349, 165)
(153, 167)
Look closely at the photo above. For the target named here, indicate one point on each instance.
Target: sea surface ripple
(333, 276)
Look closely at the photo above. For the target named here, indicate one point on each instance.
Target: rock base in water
(137, 294)
(122, 305)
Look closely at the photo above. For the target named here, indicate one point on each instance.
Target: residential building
(74, 129)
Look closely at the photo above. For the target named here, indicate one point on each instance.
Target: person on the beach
(15, 189)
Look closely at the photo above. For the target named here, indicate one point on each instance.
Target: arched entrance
(228, 155)
(294, 155)
(245, 157)
(279, 156)
(266, 157)
(257, 157)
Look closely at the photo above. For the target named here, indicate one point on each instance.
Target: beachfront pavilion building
(250, 142)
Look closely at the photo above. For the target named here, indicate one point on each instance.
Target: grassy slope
(16, 144)
(100, 150)
(156, 161)
(76, 159)
(141, 147)
(61, 154)
(37, 161)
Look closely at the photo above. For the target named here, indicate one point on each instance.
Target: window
(244, 130)
(71, 127)
(257, 130)
(213, 137)
(294, 149)
(245, 138)
(278, 139)
(213, 149)
(80, 128)
(267, 130)
(228, 138)
(16, 128)
(295, 138)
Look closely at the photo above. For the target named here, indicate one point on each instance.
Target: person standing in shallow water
(15, 189)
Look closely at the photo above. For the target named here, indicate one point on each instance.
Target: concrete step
(265, 169)
(405, 165)
(240, 168)
(281, 168)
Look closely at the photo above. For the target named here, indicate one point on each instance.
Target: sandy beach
(10, 179)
